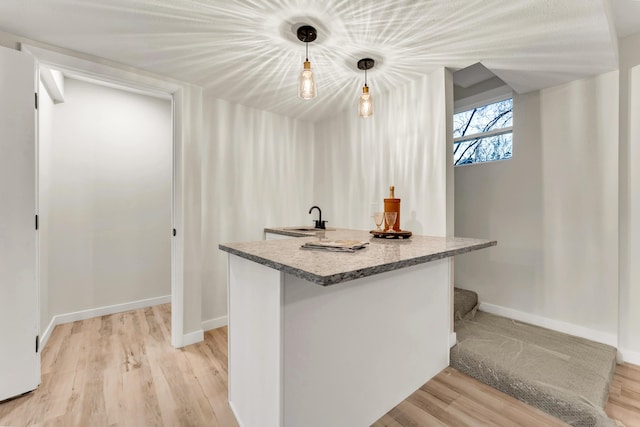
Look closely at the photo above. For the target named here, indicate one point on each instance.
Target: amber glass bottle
(393, 205)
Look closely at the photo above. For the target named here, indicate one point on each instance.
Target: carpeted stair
(565, 376)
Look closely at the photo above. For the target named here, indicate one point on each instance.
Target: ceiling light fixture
(307, 84)
(365, 104)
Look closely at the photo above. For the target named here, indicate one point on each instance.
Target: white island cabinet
(336, 339)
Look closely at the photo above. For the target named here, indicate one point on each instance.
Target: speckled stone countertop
(329, 268)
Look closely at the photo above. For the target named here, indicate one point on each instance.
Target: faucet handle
(320, 224)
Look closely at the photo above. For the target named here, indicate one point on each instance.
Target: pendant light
(365, 104)
(307, 84)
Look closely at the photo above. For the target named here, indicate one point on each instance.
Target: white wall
(257, 172)
(630, 197)
(503, 201)
(553, 209)
(109, 196)
(406, 143)
(580, 199)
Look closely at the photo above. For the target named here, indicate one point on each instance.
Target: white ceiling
(247, 52)
(626, 16)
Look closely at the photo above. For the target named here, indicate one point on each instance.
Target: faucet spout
(319, 222)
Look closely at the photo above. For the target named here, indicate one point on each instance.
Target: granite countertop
(329, 268)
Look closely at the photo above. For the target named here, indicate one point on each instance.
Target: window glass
(483, 149)
(484, 133)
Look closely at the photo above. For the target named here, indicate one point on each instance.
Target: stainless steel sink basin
(307, 229)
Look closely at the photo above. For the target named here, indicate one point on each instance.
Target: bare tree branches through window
(483, 134)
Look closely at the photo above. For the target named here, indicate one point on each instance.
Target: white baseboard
(192, 337)
(216, 323)
(629, 356)
(235, 414)
(100, 311)
(197, 336)
(47, 333)
(556, 325)
(453, 339)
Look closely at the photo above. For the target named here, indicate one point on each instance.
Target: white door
(19, 361)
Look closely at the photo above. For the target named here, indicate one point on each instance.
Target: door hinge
(37, 343)
(174, 232)
(36, 100)
(36, 222)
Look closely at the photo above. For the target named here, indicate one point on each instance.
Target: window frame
(480, 100)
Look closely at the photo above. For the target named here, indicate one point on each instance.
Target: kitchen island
(329, 338)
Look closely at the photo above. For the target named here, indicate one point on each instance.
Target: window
(484, 133)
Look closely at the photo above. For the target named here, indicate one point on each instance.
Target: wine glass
(378, 217)
(390, 220)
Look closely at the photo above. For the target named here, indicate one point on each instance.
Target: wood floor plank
(490, 398)
(120, 370)
(629, 371)
(204, 355)
(441, 409)
(479, 404)
(624, 395)
(440, 389)
(388, 421)
(213, 376)
(215, 389)
(53, 346)
(408, 415)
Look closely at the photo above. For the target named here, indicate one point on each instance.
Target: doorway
(105, 156)
(109, 76)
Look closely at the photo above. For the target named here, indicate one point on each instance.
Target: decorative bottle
(393, 205)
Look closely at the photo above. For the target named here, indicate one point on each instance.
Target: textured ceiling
(246, 51)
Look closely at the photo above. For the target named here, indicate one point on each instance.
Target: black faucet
(319, 222)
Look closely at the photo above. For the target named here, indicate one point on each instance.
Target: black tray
(402, 234)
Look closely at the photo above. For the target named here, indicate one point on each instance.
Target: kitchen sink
(307, 229)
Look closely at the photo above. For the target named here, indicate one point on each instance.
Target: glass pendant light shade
(365, 104)
(307, 84)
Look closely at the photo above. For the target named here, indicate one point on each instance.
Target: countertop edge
(275, 265)
(356, 274)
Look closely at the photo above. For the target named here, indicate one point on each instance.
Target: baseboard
(216, 323)
(556, 325)
(453, 339)
(207, 325)
(629, 356)
(47, 332)
(100, 311)
(192, 337)
(235, 414)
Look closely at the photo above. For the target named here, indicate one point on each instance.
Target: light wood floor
(121, 370)
(452, 398)
(624, 395)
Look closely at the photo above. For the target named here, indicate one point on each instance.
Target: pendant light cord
(365, 78)
(307, 51)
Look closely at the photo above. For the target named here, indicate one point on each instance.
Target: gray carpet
(565, 376)
(465, 303)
